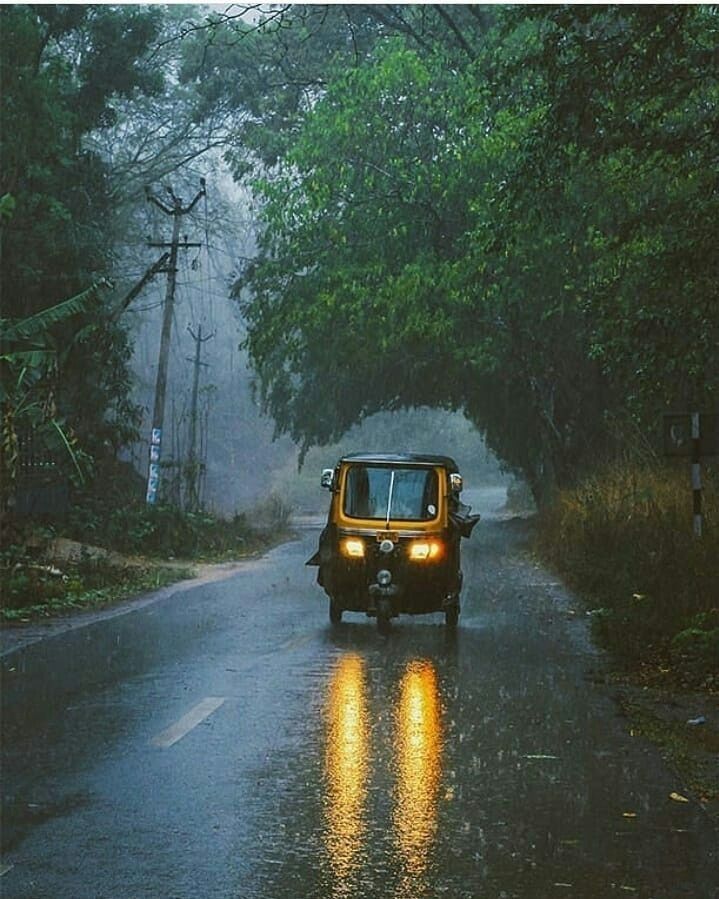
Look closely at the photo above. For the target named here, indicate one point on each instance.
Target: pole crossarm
(199, 336)
(177, 208)
(182, 245)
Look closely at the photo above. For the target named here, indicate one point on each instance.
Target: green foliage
(64, 363)
(697, 647)
(516, 221)
(271, 72)
(165, 530)
(32, 589)
(36, 327)
(631, 98)
(7, 207)
(374, 276)
(105, 516)
(38, 578)
(28, 360)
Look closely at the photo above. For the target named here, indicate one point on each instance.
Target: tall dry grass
(624, 537)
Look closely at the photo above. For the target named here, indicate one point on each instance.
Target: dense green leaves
(64, 361)
(523, 230)
(510, 211)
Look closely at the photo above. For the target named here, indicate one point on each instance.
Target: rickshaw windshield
(373, 491)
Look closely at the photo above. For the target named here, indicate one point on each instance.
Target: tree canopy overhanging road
(506, 210)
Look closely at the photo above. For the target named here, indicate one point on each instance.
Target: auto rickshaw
(392, 541)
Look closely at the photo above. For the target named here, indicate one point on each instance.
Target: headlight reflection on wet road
(418, 752)
(346, 765)
(415, 762)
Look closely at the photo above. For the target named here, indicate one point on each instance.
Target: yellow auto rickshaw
(392, 541)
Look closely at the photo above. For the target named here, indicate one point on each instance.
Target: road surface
(223, 740)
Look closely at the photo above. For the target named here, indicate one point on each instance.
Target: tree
(62, 67)
(514, 235)
(628, 131)
(375, 274)
(29, 361)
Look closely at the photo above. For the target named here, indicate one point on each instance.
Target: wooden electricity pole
(193, 465)
(177, 210)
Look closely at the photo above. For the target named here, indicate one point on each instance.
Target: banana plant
(28, 364)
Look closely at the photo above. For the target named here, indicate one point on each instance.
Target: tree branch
(452, 25)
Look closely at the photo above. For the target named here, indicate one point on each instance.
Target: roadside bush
(166, 531)
(696, 648)
(271, 516)
(103, 516)
(23, 579)
(36, 581)
(163, 530)
(624, 537)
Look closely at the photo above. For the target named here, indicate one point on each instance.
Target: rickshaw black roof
(402, 459)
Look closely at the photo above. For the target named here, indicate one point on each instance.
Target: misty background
(244, 460)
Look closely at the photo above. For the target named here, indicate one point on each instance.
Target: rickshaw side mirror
(328, 478)
(455, 482)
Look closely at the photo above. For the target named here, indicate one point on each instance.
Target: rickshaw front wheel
(335, 612)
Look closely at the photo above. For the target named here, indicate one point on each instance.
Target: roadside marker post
(696, 475)
(695, 435)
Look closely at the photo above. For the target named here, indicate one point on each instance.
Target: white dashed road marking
(195, 716)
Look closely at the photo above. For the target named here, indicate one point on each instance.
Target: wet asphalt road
(226, 742)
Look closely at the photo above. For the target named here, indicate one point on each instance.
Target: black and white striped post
(693, 435)
(696, 474)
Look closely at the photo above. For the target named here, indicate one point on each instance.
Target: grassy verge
(107, 551)
(623, 539)
(59, 592)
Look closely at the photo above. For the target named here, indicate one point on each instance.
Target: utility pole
(193, 466)
(177, 210)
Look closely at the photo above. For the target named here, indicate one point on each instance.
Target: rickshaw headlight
(384, 577)
(425, 550)
(352, 547)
